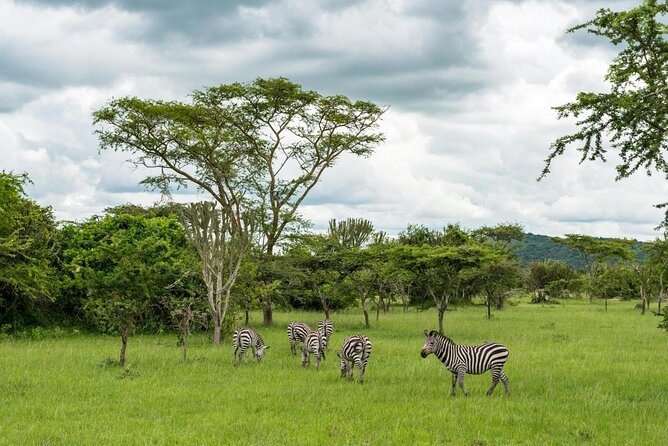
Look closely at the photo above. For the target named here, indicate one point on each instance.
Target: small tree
(125, 264)
(221, 246)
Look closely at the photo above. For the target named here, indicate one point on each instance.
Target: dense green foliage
(28, 278)
(134, 270)
(577, 376)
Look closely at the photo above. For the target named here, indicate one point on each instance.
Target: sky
(470, 86)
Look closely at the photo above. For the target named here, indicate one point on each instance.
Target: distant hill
(540, 247)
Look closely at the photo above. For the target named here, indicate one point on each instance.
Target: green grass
(577, 375)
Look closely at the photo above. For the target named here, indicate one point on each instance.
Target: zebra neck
(446, 353)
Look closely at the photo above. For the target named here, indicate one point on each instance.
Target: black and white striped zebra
(314, 343)
(297, 332)
(327, 328)
(355, 351)
(463, 359)
(247, 337)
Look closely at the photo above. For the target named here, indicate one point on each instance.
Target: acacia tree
(262, 145)
(631, 119)
(594, 250)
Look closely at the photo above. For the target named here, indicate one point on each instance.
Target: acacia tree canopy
(632, 117)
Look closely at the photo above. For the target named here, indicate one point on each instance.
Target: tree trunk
(441, 313)
(366, 313)
(606, 304)
(185, 346)
(324, 300)
(378, 304)
(267, 312)
(489, 307)
(217, 328)
(247, 318)
(124, 344)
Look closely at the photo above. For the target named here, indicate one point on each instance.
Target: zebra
(327, 328)
(313, 343)
(355, 350)
(297, 332)
(247, 337)
(463, 359)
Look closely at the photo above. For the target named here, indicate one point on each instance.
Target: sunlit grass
(577, 376)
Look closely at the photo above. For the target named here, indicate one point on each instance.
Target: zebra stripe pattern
(313, 344)
(247, 337)
(327, 328)
(355, 351)
(463, 359)
(297, 332)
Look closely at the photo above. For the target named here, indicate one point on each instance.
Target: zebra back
(327, 328)
(297, 331)
(315, 342)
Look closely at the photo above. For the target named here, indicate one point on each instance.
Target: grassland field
(578, 375)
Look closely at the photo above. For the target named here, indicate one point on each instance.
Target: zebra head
(428, 346)
(260, 351)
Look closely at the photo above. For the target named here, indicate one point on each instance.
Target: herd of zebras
(356, 350)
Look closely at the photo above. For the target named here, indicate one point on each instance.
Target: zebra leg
(460, 375)
(317, 361)
(504, 380)
(360, 366)
(305, 357)
(454, 384)
(495, 381)
(293, 348)
(234, 355)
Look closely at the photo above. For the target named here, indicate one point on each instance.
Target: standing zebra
(463, 359)
(247, 337)
(297, 332)
(327, 328)
(314, 343)
(355, 350)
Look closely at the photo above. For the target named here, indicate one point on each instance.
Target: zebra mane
(442, 336)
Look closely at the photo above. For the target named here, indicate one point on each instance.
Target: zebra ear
(338, 354)
(426, 333)
(267, 346)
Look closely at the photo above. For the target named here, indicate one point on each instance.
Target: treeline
(144, 269)
(536, 247)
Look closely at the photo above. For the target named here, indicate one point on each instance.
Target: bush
(664, 322)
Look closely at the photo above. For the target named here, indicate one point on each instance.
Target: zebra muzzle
(424, 353)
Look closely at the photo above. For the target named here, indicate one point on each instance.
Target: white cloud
(470, 87)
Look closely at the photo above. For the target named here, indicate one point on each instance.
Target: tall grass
(578, 375)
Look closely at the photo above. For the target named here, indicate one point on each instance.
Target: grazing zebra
(355, 350)
(297, 332)
(315, 344)
(327, 328)
(247, 337)
(463, 359)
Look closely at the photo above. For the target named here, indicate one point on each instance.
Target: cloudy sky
(470, 85)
